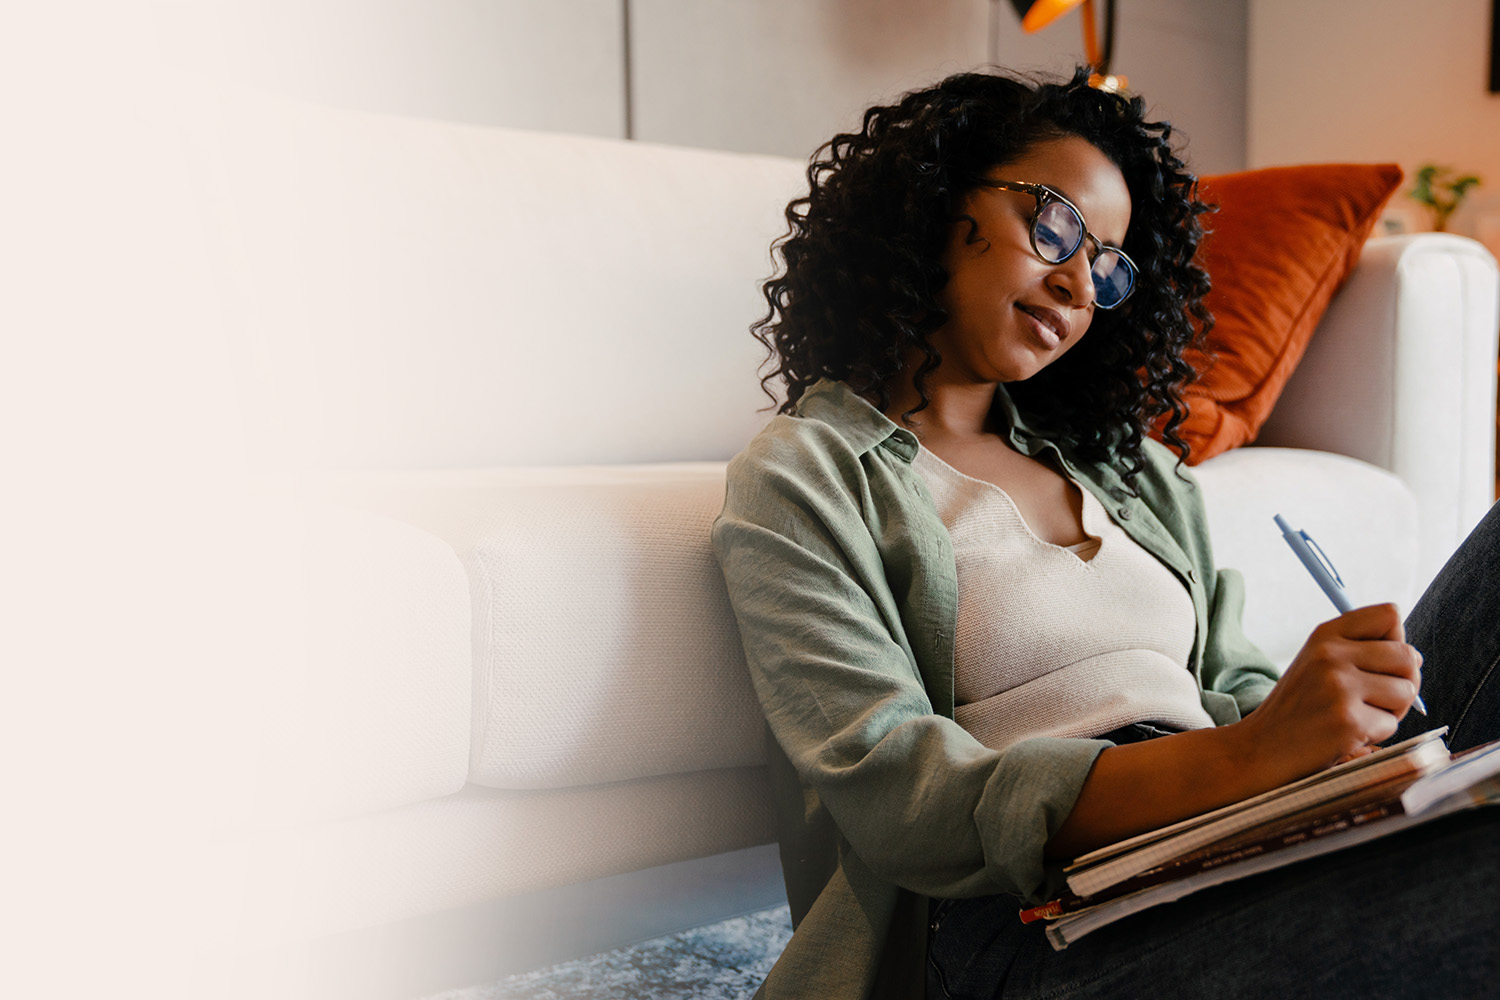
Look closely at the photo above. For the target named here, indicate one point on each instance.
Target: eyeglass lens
(1058, 232)
(1113, 279)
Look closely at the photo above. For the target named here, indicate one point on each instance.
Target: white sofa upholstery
(1399, 376)
(490, 379)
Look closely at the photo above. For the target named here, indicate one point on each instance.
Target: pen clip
(1322, 557)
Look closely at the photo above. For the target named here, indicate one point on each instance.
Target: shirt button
(1193, 575)
(1124, 513)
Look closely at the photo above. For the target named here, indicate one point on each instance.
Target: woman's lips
(1048, 324)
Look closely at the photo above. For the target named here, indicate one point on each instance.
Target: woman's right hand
(1347, 689)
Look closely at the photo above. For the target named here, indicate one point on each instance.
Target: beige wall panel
(1372, 79)
(782, 76)
(1379, 81)
(769, 76)
(1195, 79)
(556, 65)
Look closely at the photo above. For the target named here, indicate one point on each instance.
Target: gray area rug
(722, 961)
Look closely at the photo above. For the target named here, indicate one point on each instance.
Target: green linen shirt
(842, 579)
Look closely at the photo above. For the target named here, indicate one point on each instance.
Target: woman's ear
(968, 228)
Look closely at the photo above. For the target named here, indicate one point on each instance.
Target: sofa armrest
(1401, 374)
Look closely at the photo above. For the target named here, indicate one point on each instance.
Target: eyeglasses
(1057, 231)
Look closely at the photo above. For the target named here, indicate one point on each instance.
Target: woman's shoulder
(800, 479)
(792, 454)
(830, 428)
(792, 438)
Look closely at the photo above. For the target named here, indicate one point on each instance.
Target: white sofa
(489, 380)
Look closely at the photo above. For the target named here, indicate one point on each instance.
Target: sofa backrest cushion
(424, 294)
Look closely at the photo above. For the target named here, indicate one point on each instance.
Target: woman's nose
(1072, 281)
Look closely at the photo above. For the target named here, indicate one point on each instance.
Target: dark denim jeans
(1456, 626)
(1413, 915)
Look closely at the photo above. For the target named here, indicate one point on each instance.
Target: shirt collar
(863, 426)
(866, 428)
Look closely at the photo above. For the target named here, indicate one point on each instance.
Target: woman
(973, 593)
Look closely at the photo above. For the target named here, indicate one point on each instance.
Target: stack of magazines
(1381, 793)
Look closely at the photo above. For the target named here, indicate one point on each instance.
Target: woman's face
(1010, 313)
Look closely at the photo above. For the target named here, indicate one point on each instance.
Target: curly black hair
(856, 294)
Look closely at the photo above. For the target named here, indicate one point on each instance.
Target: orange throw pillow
(1281, 243)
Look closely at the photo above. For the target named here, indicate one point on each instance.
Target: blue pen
(1321, 568)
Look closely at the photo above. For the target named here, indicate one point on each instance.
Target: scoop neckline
(1087, 510)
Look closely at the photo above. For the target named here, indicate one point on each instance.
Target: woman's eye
(1050, 239)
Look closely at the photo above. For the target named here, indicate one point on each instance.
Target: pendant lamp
(1037, 14)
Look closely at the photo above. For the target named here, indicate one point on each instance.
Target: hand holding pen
(1318, 564)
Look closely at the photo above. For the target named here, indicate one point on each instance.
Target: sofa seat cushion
(1364, 518)
(604, 646)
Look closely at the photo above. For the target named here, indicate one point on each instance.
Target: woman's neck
(954, 411)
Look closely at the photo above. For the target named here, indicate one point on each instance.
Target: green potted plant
(1441, 192)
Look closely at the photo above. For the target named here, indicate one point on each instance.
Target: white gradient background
(144, 549)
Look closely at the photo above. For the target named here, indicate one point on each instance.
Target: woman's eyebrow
(1085, 216)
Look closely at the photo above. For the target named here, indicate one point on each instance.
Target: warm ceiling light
(1037, 14)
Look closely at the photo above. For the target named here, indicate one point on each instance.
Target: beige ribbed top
(1055, 641)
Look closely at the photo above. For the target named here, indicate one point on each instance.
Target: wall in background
(542, 64)
(768, 76)
(1379, 81)
(781, 76)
